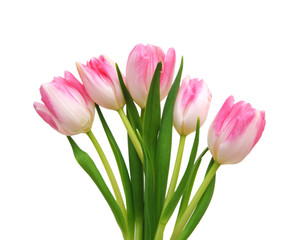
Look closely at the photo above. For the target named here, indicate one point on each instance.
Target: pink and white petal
(135, 56)
(119, 94)
(99, 92)
(212, 141)
(75, 118)
(260, 126)
(44, 113)
(107, 68)
(232, 119)
(241, 122)
(168, 73)
(102, 94)
(222, 114)
(49, 92)
(178, 117)
(72, 81)
(137, 87)
(178, 111)
(236, 150)
(80, 88)
(153, 56)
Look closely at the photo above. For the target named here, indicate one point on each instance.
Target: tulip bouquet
(150, 195)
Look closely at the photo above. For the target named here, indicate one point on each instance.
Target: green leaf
(152, 114)
(163, 150)
(134, 115)
(200, 209)
(136, 172)
(151, 126)
(149, 197)
(85, 161)
(122, 169)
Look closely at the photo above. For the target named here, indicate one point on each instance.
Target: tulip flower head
(192, 101)
(140, 69)
(235, 131)
(67, 107)
(101, 82)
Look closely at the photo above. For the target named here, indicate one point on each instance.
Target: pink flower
(67, 107)
(101, 82)
(140, 69)
(192, 101)
(235, 131)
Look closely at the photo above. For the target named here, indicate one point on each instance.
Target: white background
(243, 48)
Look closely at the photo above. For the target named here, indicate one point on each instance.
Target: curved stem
(110, 174)
(176, 169)
(193, 204)
(131, 134)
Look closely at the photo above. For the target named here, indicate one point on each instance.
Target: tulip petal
(235, 131)
(44, 113)
(260, 126)
(141, 65)
(136, 69)
(67, 105)
(168, 73)
(222, 114)
(193, 100)
(234, 151)
(98, 90)
(80, 88)
(197, 105)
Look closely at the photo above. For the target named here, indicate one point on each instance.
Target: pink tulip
(140, 69)
(101, 82)
(67, 107)
(235, 131)
(192, 101)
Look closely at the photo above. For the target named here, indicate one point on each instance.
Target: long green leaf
(164, 144)
(200, 209)
(134, 115)
(122, 169)
(136, 172)
(152, 114)
(149, 197)
(85, 161)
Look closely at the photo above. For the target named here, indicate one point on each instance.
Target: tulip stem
(138, 234)
(131, 134)
(176, 169)
(193, 204)
(142, 114)
(110, 174)
(172, 185)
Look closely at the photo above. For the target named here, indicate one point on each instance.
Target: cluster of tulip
(69, 108)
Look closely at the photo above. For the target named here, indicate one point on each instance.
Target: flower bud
(67, 107)
(235, 131)
(192, 101)
(140, 69)
(101, 82)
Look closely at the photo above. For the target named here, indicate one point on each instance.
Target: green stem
(138, 234)
(172, 185)
(142, 114)
(193, 204)
(160, 230)
(110, 174)
(131, 134)
(176, 169)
